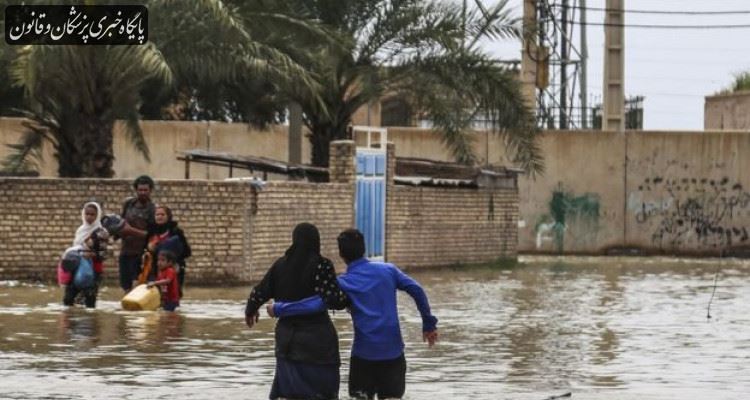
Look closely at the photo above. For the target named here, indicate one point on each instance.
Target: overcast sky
(673, 68)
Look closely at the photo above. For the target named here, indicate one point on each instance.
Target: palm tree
(75, 105)
(427, 51)
(76, 93)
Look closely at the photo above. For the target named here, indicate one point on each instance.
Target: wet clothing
(89, 294)
(130, 267)
(386, 378)
(371, 288)
(297, 380)
(139, 216)
(169, 236)
(170, 293)
(378, 366)
(306, 345)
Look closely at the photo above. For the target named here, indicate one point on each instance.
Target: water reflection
(81, 328)
(600, 328)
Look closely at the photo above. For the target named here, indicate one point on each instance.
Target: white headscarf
(85, 230)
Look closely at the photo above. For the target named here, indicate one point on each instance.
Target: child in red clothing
(167, 280)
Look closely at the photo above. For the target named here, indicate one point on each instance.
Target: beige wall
(166, 141)
(586, 168)
(727, 111)
(688, 192)
(602, 199)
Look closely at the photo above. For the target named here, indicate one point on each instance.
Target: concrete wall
(727, 111)
(590, 200)
(577, 204)
(599, 195)
(658, 192)
(167, 139)
(688, 192)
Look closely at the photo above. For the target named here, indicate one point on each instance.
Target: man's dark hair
(169, 256)
(143, 180)
(351, 245)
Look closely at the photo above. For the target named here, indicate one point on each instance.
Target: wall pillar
(341, 162)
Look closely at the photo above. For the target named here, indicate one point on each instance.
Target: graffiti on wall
(567, 210)
(710, 213)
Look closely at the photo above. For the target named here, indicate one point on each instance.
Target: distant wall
(727, 111)
(600, 191)
(167, 139)
(660, 192)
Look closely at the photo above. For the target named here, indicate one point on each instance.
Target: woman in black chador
(307, 346)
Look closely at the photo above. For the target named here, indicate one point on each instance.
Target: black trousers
(89, 294)
(386, 378)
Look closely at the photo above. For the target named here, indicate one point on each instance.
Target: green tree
(74, 94)
(427, 51)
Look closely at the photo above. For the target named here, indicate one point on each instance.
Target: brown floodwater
(599, 328)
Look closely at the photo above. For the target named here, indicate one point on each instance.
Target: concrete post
(529, 52)
(613, 115)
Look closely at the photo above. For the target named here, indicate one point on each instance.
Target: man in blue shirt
(377, 362)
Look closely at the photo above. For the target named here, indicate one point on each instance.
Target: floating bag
(84, 276)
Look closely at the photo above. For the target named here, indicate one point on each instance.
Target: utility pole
(564, 67)
(529, 64)
(613, 118)
(584, 91)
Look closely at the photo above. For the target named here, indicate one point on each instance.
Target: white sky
(673, 68)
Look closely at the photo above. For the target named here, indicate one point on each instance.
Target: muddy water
(598, 328)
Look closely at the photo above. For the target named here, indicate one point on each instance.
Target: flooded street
(600, 328)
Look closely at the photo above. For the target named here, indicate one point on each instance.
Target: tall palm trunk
(85, 147)
(321, 136)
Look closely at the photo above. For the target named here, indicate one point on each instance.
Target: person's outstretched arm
(308, 305)
(330, 296)
(429, 322)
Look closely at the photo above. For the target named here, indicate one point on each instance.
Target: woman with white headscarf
(91, 241)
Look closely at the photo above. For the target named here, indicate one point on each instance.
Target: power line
(662, 12)
(663, 26)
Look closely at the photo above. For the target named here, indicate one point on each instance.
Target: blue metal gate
(370, 200)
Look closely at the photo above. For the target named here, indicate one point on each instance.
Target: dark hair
(169, 256)
(351, 245)
(166, 209)
(143, 180)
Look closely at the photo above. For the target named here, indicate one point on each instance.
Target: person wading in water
(307, 346)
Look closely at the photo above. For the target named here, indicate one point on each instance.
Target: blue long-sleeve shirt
(371, 288)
